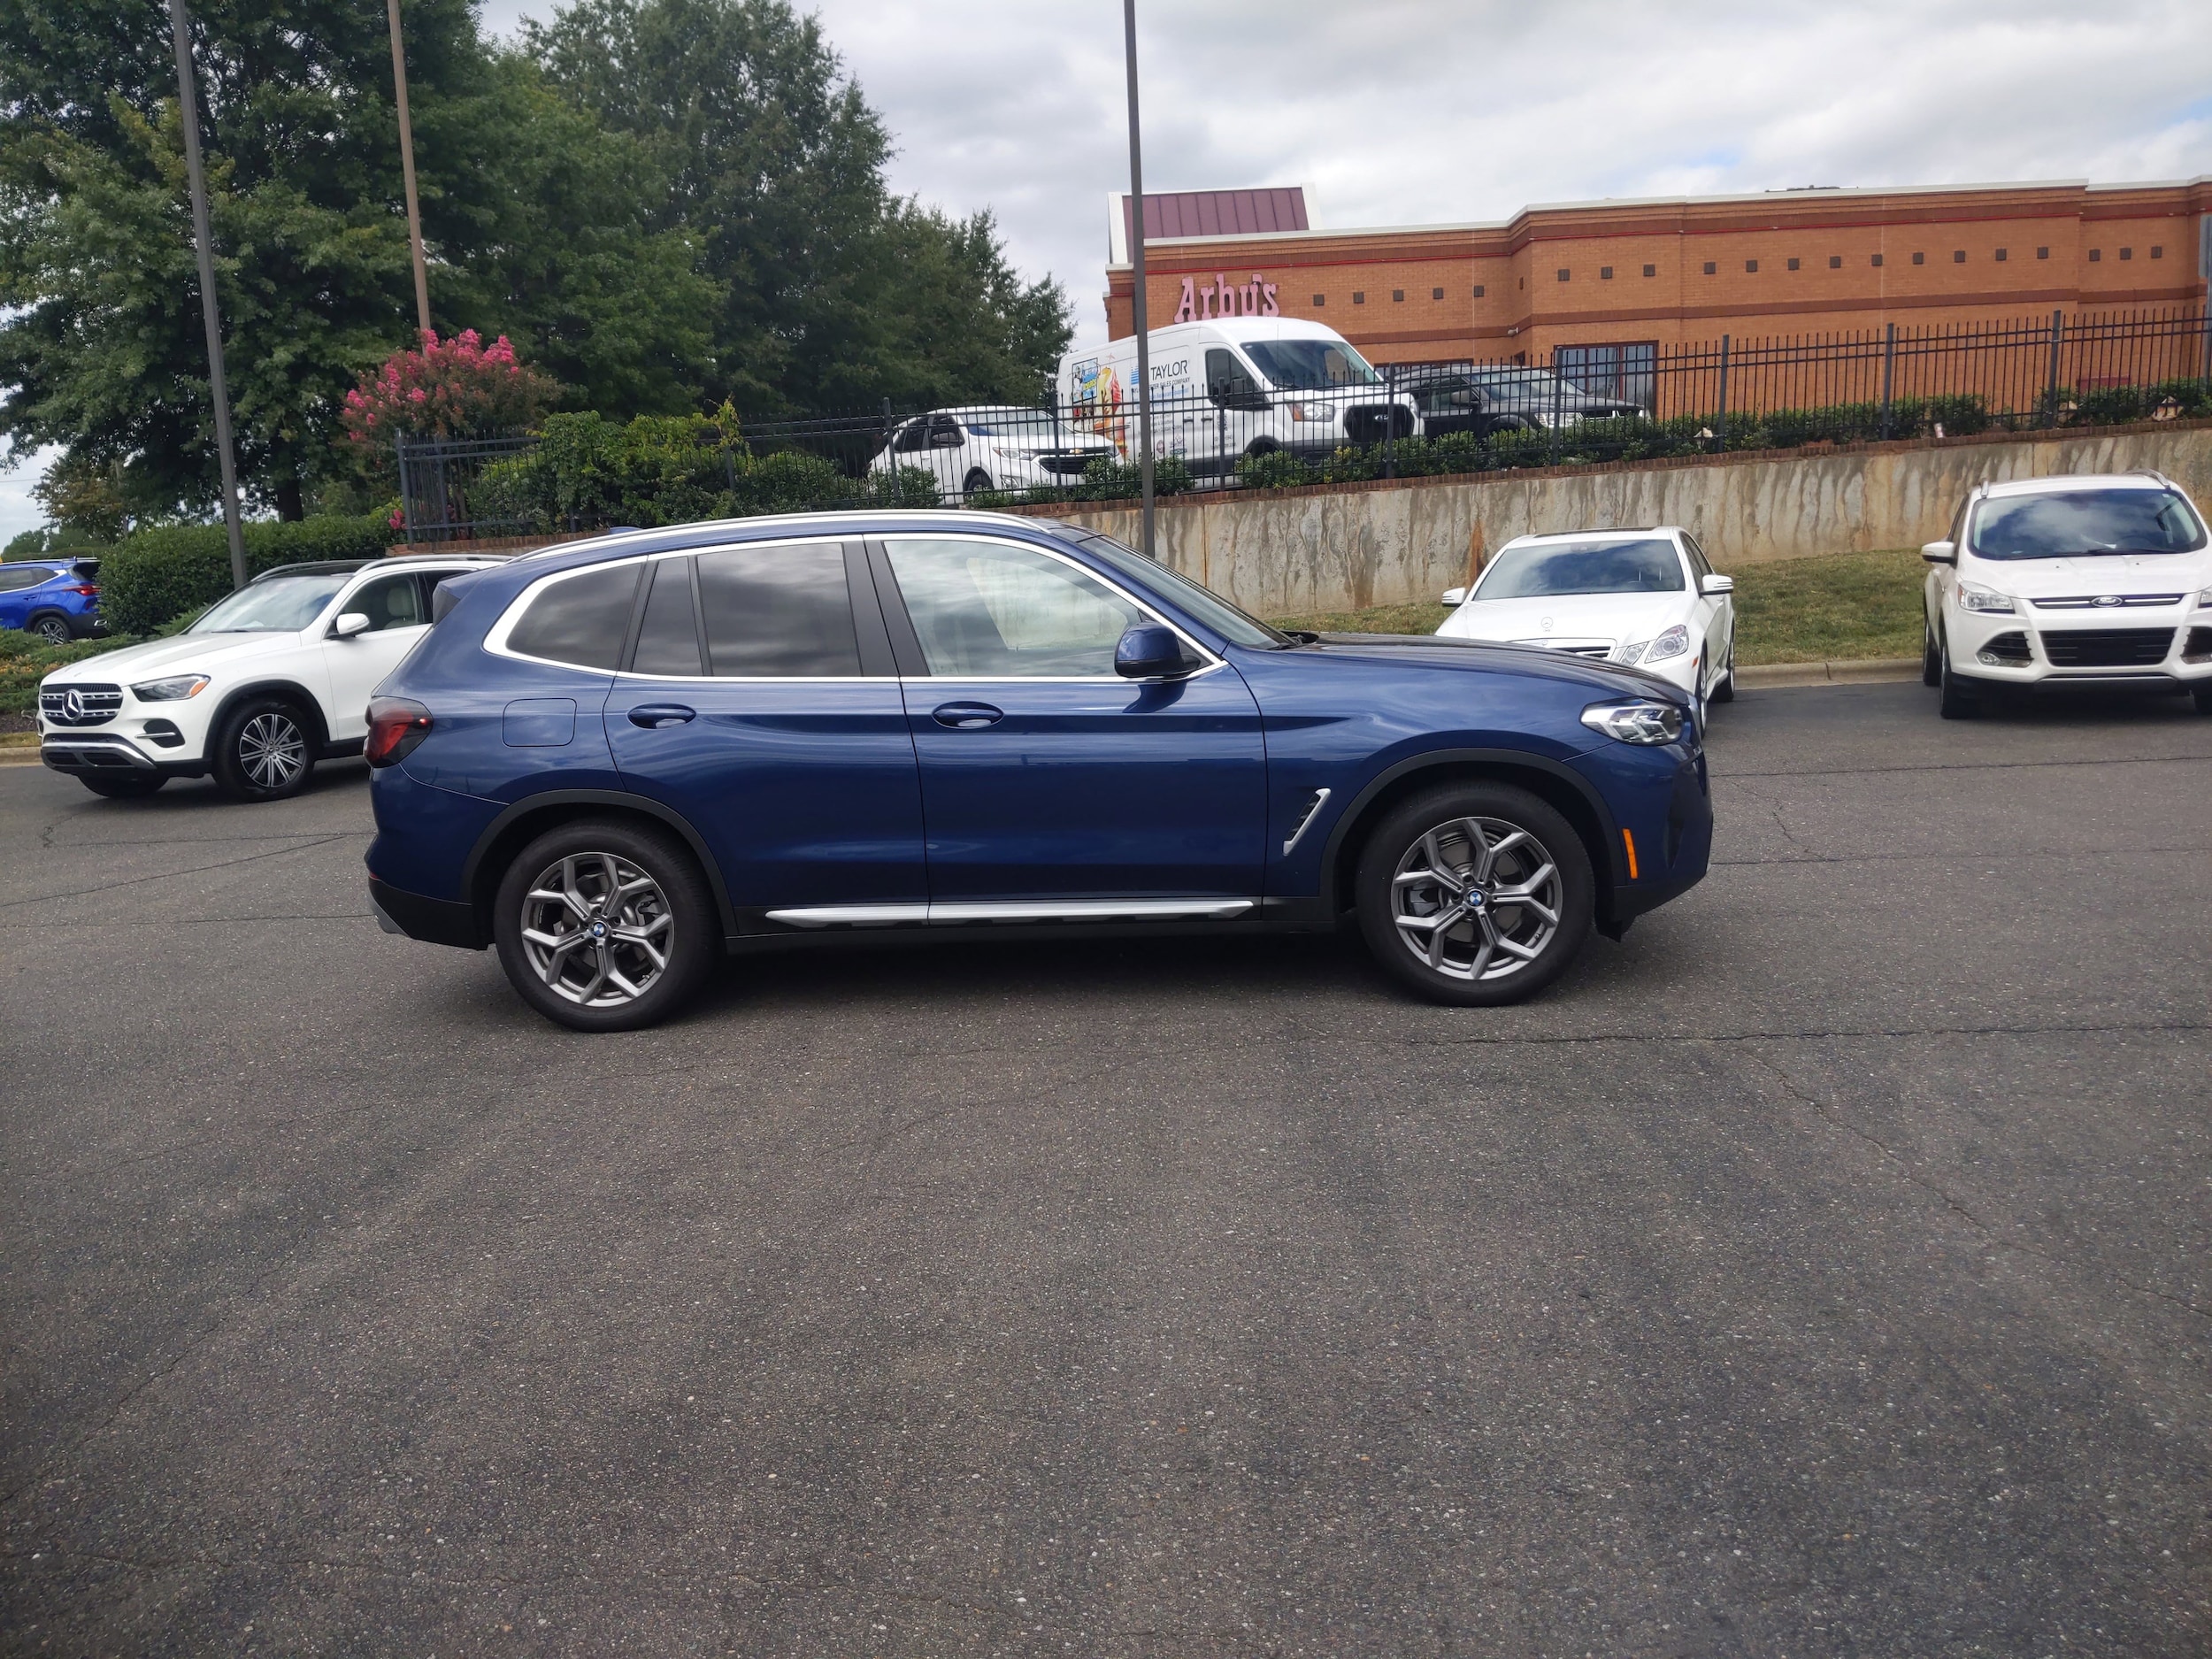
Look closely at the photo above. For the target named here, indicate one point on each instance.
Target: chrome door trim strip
(944, 913)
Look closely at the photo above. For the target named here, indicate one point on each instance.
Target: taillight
(396, 725)
(86, 593)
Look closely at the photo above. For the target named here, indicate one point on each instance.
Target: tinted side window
(1698, 561)
(779, 612)
(13, 580)
(984, 608)
(668, 639)
(581, 620)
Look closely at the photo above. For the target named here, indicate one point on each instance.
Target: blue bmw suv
(618, 760)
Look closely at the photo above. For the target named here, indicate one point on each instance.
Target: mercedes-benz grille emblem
(72, 705)
(1547, 624)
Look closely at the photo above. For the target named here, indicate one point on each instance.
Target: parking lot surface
(1823, 1270)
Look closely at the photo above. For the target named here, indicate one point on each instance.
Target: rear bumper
(431, 921)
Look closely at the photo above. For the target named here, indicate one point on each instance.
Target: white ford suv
(269, 682)
(2094, 579)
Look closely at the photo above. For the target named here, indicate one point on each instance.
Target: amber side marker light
(397, 726)
(1629, 842)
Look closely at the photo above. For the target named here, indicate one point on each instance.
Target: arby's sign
(1223, 298)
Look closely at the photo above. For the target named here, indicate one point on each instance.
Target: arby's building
(1621, 277)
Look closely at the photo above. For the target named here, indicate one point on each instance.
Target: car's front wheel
(1930, 655)
(977, 481)
(605, 925)
(1958, 702)
(2202, 696)
(1724, 689)
(264, 750)
(1475, 895)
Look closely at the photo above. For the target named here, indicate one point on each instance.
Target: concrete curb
(25, 756)
(1867, 672)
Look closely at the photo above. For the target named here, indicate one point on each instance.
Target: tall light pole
(1136, 245)
(188, 112)
(407, 172)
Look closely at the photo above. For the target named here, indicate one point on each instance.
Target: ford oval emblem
(2107, 599)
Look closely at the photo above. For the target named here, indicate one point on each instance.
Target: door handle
(967, 717)
(653, 716)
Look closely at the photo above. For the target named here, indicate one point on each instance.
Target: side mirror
(1940, 552)
(1453, 596)
(1148, 651)
(1718, 585)
(349, 625)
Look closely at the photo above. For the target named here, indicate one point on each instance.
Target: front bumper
(2028, 647)
(78, 753)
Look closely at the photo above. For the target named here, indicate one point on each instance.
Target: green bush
(26, 660)
(149, 578)
(1274, 468)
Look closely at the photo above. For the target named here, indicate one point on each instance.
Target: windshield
(1211, 609)
(1524, 382)
(2086, 521)
(1583, 567)
(284, 604)
(1310, 365)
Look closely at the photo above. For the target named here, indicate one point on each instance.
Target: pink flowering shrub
(450, 389)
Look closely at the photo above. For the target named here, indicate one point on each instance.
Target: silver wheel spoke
(597, 929)
(1526, 889)
(1447, 913)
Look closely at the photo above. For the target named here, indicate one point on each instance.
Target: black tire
(122, 786)
(1559, 869)
(587, 857)
(977, 481)
(264, 750)
(1931, 656)
(1958, 702)
(2202, 697)
(53, 628)
(1724, 689)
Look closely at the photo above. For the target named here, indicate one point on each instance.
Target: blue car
(56, 599)
(618, 760)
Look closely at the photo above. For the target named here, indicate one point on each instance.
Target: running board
(959, 913)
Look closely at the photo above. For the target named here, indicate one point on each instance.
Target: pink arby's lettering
(1223, 298)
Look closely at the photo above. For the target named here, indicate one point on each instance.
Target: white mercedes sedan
(1643, 598)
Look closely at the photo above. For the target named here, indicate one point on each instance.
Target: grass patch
(1834, 607)
(26, 660)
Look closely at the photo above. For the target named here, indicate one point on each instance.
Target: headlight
(171, 690)
(1642, 721)
(1006, 454)
(1629, 656)
(1983, 599)
(1673, 643)
(1312, 413)
(2205, 598)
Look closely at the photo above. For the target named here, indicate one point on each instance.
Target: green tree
(531, 213)
(833, 293)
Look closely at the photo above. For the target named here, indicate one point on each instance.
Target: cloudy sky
(1432, 111)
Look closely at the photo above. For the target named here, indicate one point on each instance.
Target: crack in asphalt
(1950, 1200)
(2010, 855)
(170, 875)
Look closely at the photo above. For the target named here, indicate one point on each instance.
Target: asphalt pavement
(1823, 1270)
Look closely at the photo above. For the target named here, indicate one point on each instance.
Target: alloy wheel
(271, 750)
(53, 630)
(1476, 898)
(597, 929)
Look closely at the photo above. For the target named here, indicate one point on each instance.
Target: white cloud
(18, 512)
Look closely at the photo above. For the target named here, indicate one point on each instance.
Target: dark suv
(616, 760)
(1505, 398)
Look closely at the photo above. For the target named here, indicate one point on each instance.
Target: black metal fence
(1580, 403)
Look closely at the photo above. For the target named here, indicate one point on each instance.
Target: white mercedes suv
(2095, 579)
(271, 679)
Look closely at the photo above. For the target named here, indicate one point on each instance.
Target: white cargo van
(1240, 386)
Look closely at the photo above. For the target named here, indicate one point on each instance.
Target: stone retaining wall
(1346, 546)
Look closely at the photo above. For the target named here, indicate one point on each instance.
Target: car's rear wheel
(122, 786)
(52, 629)
(1958, 702)
(265, 750)
(605, 925)
(1475, 895)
